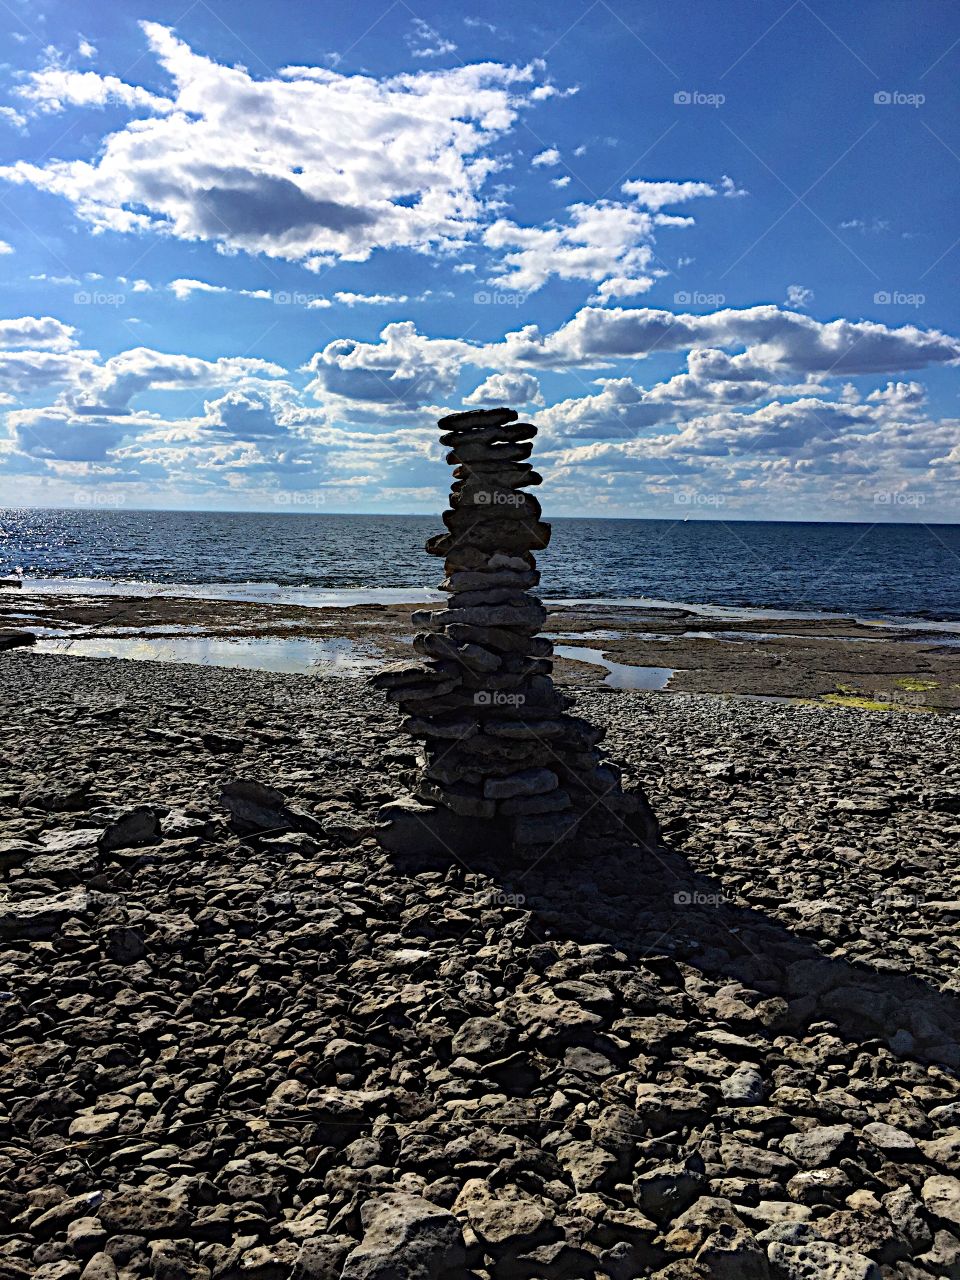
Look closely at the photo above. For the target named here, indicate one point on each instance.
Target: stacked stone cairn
(502, 760)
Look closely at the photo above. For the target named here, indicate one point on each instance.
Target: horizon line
(109, 508)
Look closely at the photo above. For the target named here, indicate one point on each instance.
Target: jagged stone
(408, 674)
(472, 656)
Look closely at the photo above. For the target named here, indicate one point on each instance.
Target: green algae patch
(871, 704)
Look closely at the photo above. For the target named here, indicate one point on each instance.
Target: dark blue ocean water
(874, 570)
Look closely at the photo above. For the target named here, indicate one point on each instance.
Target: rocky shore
(837, 659)
(240, 1040)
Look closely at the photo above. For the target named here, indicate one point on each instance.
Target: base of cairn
(503, 765)
(409, 827)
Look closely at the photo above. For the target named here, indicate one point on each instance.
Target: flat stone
(418, 727)
(757, 1162)
(460, 798)
(96, 1124)
(65, 1212)
(468, 419)
(137, 826)
(511, 475)
(536, 729)
(475, 452)
(489, 434)
(523, 806)
(484, 580)
(892, 1141)
(84, 838)
(40, 916)
(528, 782)
(472, 656)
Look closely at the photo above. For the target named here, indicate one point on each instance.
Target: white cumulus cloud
(308, 165)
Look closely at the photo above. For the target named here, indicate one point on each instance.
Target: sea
(905, 571)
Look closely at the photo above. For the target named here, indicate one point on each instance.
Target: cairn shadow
(650, 904)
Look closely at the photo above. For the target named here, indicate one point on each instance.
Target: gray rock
(941, 1196)
(754, 1162)
(406, 1238)
(732, 1253)
(65, 1212)
(100, 1267)
(54, 797)
(944, 1149)
(906, 1213)
(322, 1258)
(481, 1038)
(503, 1224)
(745, 1088)
(527, 782)
(136, 827)
(819, 1260)
(893, 1142)
(814, 1148)
(664, 1191)
(146, 1213)
(691, 1228)
(41, 916)
(86, 1236)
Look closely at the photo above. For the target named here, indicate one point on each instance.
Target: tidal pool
(620, 675)
(335, 657)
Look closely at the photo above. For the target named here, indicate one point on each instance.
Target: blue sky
(250, 253)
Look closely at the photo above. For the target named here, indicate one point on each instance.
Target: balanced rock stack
(499, 746)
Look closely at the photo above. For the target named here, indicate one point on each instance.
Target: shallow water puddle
(336, 657)
(620, 675)
(583, 635)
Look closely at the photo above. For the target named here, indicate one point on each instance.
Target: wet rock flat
(815, 658)
(239, 1040)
